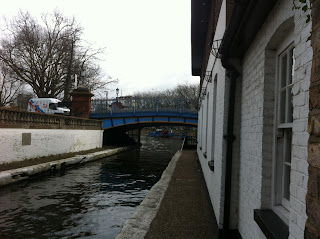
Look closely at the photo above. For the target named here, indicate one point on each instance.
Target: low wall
(21, 144)
(25, 135)
(28, 120)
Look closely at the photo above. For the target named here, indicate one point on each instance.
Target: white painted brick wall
(46, 142)
(251, 191)
(215, 180)
(299, 169)
(256, 138)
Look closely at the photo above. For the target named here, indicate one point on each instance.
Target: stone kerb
(28, 120)
(19, 174)
(138, 225)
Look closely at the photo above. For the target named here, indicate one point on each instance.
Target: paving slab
(185, 210)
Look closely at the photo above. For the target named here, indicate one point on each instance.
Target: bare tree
(35, 53)
(47, 55)
(190, 92)
(88, 58)
(185, 93)
(186, 90)
(10, 88)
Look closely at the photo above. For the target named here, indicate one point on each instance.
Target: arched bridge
(139, 112)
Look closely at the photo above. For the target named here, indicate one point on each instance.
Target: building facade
(258, 73)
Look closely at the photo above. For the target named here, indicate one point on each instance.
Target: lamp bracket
(215, 48)
(208, 76)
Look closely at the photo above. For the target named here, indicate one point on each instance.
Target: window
(206, 128)
(214, 106)
(201, 125)
(283, 132)
(52, 106)
(214, 115)
(273, 216)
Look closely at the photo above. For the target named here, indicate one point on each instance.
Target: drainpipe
(232, 74)
(237, 18)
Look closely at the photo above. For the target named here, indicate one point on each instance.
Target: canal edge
(138, 225)
(19, 174)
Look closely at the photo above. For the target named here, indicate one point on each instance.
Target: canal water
(89, 201)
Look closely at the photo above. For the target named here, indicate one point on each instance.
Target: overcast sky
(147, 42)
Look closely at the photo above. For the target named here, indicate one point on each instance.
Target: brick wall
(214, 179)
(299, 165)
(213, 21)
(257, 121)
(252, 170)
(313, 195)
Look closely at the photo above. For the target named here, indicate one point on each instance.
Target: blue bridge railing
(132, 104)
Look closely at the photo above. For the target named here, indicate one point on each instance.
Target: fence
(190, 142)
(24, 119)
(133, 104)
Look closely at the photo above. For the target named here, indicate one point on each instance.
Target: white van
(47, 106)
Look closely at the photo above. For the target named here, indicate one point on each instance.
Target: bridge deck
(126, 112)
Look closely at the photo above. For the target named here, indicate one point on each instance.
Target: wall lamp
(215, 48)
(203, 91)
(208, 76)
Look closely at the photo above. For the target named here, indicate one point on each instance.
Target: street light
(106, 98)
(82, 81)
(117, 92)
(83, 72)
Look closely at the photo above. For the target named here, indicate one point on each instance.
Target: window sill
(282, 213)
(271, 225)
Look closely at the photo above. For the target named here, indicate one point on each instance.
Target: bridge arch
(137, 113)
(143, 119)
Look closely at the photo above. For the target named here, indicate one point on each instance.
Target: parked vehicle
(47, 106)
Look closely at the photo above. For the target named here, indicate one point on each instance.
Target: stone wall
(28, 120)
(25, 135)
(313, 195)
(22, 144)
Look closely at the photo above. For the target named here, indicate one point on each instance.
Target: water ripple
(90, 201)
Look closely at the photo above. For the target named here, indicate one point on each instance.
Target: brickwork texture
(313, 196)
(253, 176)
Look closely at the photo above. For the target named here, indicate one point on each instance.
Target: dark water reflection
(90, 201)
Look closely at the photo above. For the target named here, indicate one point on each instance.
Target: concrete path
(185, 211)
(178, 206)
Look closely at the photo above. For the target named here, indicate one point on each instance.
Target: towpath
(185, 210)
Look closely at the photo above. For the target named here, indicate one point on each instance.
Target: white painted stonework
(253, 148)
(208, 126)
(45, 142)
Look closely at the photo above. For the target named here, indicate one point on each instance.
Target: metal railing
(24, 119)
(190, 142)
(133, 104)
